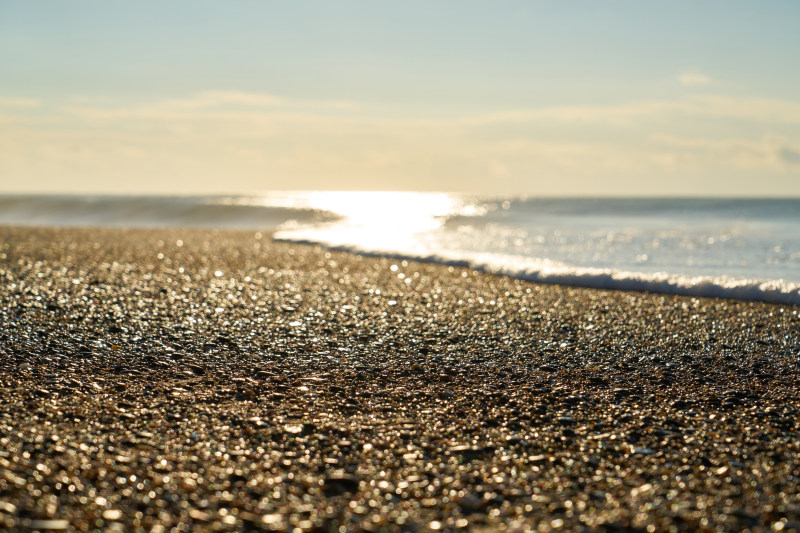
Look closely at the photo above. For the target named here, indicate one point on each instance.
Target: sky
(678, 98)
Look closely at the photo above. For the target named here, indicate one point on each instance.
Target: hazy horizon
(486, 195)
(511, 98)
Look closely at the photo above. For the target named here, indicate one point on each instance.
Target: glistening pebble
(157, 380)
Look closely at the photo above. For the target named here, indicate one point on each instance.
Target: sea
(739, 248)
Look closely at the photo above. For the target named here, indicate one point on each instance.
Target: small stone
(199, 516)
(197, 370)
(338, 484)
(470, 503)
(643, 451)
(112, 514)
(459, 449)
(50, 525)
(566, 420)
(272, 519)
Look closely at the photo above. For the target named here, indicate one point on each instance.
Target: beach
(218, 380)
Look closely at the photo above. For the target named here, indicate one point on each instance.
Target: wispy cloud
(694, 79)
(241, 140)
(764, 154)
(235, 105)
(207, 105)
(19, 102)
(220, 98)
(636, 113)
(230, 98)
(614, 114)
(790, 156)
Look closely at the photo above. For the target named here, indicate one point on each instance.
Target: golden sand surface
(159, 380)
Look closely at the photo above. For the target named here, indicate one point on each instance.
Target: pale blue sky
(509, 96)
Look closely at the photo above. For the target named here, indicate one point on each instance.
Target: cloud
(789, 156)
(694, 79)
(706, 106)
(622, 114)
(236, 140)
(245, 100)
(739, 153)
(238, 105)
(20, 102)
(208, 99)
(761, 110)
(220, 106)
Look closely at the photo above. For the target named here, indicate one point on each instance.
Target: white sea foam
(775, 291)
(552, 272)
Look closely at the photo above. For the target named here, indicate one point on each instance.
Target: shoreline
(770, 291)
(234, 382)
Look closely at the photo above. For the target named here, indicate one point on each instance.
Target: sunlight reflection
(379, 221)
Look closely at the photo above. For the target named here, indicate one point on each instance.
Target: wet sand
(218, 381)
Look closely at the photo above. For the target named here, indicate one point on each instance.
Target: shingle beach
(159, 380)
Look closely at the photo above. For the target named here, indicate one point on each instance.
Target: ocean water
(746, 249)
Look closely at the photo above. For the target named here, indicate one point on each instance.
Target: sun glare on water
(377, 221)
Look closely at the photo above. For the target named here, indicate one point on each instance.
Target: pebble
(338, 484)
(112, 514)
(48, 525)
